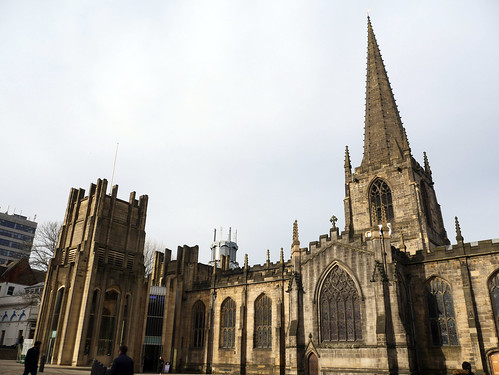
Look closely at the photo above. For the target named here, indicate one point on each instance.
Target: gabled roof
(20, 272)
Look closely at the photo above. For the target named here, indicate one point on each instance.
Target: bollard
(42, 363)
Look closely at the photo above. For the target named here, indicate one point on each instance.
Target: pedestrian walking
(122, 364)
(31, 360)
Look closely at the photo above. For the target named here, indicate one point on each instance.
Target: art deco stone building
(388, 295)
(95, 287)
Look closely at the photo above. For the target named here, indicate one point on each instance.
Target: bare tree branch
(150, 247)
(44, 245)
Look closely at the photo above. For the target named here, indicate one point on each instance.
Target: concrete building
(387, 295)
(16, 237)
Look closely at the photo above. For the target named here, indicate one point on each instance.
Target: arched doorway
(494, 363)
(313, 365)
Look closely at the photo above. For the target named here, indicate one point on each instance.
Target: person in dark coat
(122, 364)
(31, 360)
(467, 366)
(161, 364)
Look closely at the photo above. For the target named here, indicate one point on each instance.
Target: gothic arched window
(380, 200)
(263, 322)
(91, 321)
(494, 297)
(339, 308)
(228, 324)
(198, 314)
(441, 313)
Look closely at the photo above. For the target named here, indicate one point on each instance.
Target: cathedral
(389, 294)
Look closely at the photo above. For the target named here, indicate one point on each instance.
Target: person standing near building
(161, 364)
(31, 360)
(20, 342)
(122, 364)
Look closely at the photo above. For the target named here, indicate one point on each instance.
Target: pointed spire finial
(459, 236)
(426, 164)
(296, 241)
(246, 260)
(282, 256)
(268, 256)
(348, 164)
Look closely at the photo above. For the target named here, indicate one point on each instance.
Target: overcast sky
(237, 113)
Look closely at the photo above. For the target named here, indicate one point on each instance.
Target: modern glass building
(16, 237)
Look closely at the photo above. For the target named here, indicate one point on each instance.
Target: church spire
(384, 137)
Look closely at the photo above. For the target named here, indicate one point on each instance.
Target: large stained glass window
(263, 322)
(228, 324)
(441, 313)
(198, 314)
(339, 305)
(381, 202)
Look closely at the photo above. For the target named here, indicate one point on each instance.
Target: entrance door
(494, 361)
(150, 358)
(313, 365)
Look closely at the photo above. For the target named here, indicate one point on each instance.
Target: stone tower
(390, 186)
(95, 288)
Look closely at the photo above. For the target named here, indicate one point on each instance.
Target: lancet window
(380, 198)
(57, 311)
(198, 314)
(339, 303)
(263, 322)
(91, 321)
(441, 313)
(494, 297)
(426, 204)
(108, 323)
(228, 324)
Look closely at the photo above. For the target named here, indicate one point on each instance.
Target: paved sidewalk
(11, 367)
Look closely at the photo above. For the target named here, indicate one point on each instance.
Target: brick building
(388, 295)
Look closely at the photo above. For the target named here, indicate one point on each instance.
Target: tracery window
(263, 322)
(494, 297)
(381, 202)
(198, 314)
(228, 324)
(339, 303)
(441, 313)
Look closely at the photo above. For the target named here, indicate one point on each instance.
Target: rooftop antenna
(114, 166)
(230, 230)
